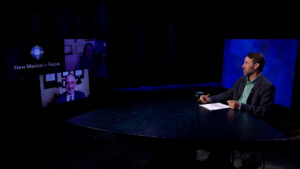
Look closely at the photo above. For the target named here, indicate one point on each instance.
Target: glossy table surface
(176, 116)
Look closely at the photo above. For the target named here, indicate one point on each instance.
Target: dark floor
(78, 148)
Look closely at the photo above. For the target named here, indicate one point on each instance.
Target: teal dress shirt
(246, 92)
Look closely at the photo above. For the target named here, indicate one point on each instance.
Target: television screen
(86, 54)
(280, 56)
(36, 68)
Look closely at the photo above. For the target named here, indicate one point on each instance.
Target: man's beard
(248, 73)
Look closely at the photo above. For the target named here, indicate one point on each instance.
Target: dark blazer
(260, 99)
(63, 97)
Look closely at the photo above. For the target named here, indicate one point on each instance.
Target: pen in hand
(204, 98)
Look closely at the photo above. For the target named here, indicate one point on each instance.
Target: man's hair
(71, 74)
(257, 58)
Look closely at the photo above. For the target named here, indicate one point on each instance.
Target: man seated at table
(253, 92)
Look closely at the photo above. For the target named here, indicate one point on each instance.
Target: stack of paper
(214, 106)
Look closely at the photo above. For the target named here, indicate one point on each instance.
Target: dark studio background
(148, 44)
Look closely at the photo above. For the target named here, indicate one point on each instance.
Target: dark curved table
(179, 117)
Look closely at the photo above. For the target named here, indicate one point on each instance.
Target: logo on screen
(37, 52)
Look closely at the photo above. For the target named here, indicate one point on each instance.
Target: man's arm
(222, 97)
(228, 95)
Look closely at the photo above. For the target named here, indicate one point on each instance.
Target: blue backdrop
(280, 56)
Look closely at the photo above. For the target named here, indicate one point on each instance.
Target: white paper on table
(214, 106)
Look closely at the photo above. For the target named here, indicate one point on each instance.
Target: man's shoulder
(265, 83)
(79, 93)
(62, 94)
(76, 91)
(241, 79)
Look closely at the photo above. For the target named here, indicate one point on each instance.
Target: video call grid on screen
(280, 56)
(43, 59)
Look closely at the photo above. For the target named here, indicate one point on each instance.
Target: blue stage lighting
(280, 56)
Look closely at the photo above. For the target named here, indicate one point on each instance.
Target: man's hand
(233, 104)
(204, 99)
